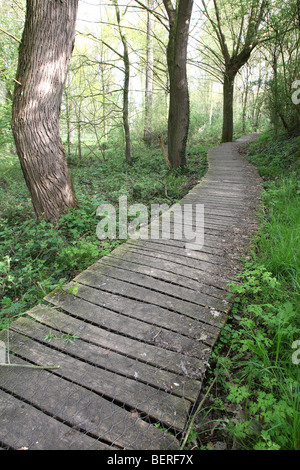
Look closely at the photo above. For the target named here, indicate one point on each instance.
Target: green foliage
(278, 243)
(263, 327)
(5, 129)
(65, 337)
(37, 258)
(260, 375)
(274, 156)
(145, 181)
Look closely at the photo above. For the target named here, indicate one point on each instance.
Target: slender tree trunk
(149, 78)
(228, 93)
(104, 121)
(79, 140)
(211, 111)
(275, 114)
(256, 106)
(179, 107)
(126, 87)
(44, 58)
(126, 103)
(245, 100)
(103, 89)
(68, 130)
(68, 119)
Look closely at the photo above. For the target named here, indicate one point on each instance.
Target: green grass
(279, 242)
(255, 359)
(275, 157)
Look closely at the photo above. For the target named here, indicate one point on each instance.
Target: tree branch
(10, 35)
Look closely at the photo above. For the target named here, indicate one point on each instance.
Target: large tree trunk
(234, 64)
(179, 108)
(44, 58)
(228, 91)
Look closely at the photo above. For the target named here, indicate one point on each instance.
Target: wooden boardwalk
(133, 339)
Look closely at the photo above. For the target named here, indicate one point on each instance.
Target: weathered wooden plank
(221, 184)
(202, 197)
(166, 408)
(182, 243)
(226, 263)
(211, 218)
(177, 280)
(211, 221)
(25, 427)
(172, 267)
(187, 214)
(212, 212)
(150, 324)
(181, 251)
(149, 249)
(177, 384)
(211, 226)
(81, 409)
(176, 362)
(140, 298)
(186, 210)
(199, 265)
(212, 243)
(158, 326)
(116, 280)
(201, 296)
(231, 195)
(140, 320)
(218, 201)
(183, 231)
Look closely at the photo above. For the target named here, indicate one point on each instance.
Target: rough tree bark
(228, 93)
(179, 108)
(232, 66)
(44, 57)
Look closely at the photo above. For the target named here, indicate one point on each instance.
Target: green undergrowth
(36, 258)
(257, 358)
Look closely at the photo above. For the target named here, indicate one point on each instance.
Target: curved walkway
(132, 335)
